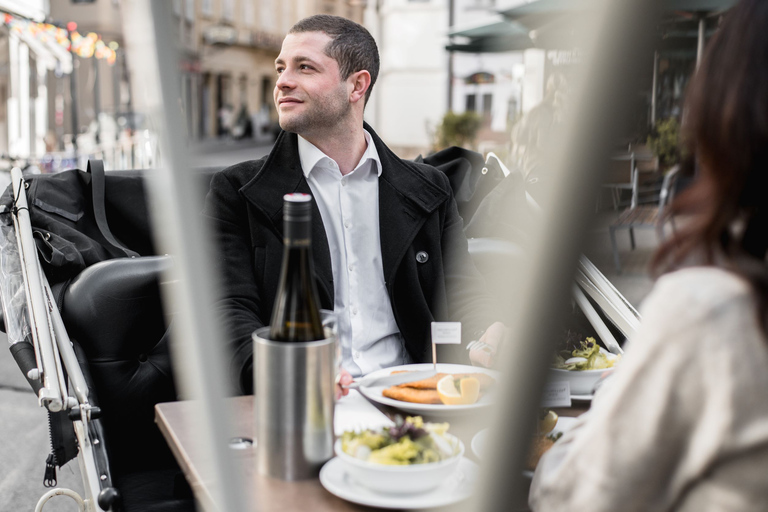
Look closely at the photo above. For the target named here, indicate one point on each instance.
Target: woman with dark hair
(683, 423)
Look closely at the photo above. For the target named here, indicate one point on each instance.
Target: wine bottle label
(298, 325)
(296, 242)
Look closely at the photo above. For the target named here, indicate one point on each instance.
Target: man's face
(310, 95)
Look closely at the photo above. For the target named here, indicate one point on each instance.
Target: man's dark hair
(352, 46)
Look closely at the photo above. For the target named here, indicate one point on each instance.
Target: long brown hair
(725, 130)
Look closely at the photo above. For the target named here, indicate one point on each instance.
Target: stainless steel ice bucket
(294, 390)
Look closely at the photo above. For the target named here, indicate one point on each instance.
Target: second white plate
(458, 487)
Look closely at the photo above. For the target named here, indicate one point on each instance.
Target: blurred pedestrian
(532, 135)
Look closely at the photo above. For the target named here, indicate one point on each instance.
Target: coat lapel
(281, 174)
(406, 198)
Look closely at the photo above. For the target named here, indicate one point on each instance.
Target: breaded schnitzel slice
(430, 383)
(417, 396)
(485, 380)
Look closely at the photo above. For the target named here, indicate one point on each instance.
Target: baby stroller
(91, 338)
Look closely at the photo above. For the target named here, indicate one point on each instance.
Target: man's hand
(343, 379)
(492, 338)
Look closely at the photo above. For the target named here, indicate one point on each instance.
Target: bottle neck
(297, 234)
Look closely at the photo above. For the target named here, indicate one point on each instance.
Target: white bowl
(411, 479)
(582, 382)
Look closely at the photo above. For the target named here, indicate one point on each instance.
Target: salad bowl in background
(582, 365)
(581, 382)
(402, 479)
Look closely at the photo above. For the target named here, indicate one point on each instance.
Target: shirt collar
(312, 157)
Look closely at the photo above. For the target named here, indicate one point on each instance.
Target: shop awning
(547, 24)
(501, 36)
(35, 10)
(50, 53)
(541, 12)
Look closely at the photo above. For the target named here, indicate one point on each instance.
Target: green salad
(587, 355)
(410, 441)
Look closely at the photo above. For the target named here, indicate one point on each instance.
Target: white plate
(582, 398)
(458, 487)
(563, 425)
(374, 393)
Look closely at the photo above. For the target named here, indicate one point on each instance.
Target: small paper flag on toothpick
(444, 333)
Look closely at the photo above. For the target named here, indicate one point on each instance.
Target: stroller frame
(56, 375)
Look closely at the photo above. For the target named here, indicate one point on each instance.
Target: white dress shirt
(349, 207)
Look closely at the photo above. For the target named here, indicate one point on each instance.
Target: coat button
(422, 257)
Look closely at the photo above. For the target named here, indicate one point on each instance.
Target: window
(266, 90)
(267, 16)
(247, 6)
(470, 104)
(206, 7)
(228, 10)
(189, 10)
(487, 104)
(243, 90)
(287, 20)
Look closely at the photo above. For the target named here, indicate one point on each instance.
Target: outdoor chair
(644, 216)
(621, 176)
(636, 173)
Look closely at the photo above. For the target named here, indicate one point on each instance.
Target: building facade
(410, 96)
(89, 110)
(24, 62)
(71, 103)
(420, 80)
(489, 84)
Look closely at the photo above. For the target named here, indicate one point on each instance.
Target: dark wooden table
(176, 422)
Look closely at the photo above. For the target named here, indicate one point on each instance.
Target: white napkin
(354, 412)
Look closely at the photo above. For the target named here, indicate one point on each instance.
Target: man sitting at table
(390, 253)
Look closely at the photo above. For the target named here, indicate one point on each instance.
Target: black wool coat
(417, 216)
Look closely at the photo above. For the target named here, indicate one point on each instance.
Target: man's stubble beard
(327, 113)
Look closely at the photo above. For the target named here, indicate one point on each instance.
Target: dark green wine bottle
(296, 315)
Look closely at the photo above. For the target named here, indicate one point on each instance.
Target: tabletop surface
(176, 421)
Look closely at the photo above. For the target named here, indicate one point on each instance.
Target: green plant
(457, 130)
(664, 141)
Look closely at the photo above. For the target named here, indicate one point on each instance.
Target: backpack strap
(98, 181)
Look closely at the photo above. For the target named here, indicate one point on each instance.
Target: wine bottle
(295, 315)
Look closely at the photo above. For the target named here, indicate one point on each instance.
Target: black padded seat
(113, 313)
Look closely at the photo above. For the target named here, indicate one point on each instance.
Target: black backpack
(69, 212)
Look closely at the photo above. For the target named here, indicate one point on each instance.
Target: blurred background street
(226, 152)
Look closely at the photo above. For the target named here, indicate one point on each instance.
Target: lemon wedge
(547, 422)
(468, 392)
